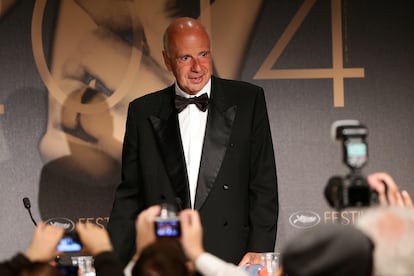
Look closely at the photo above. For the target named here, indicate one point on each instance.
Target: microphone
(27, 205)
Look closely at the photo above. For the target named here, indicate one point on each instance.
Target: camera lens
(359, 195)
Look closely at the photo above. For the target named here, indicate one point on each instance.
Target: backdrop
(68, 70)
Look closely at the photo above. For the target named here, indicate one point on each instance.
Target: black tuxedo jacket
(237, 186)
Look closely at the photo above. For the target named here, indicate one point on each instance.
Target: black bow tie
(201, 102)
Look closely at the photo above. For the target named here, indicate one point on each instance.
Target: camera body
(68, 270)
(70, 242)
(353, 189)
(167, 223)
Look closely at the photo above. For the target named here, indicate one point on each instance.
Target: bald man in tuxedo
(202, 143)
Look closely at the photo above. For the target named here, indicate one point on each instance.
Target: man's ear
(167, 61)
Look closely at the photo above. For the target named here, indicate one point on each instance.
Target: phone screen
(167, 228)
(69, 243)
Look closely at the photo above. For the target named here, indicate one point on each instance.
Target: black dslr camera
(353, 189)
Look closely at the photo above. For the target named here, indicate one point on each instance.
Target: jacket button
(225, 187)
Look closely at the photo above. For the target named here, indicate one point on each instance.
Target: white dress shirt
(192, 128)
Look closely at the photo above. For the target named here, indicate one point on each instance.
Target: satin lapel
(218, 130)
(166, 129)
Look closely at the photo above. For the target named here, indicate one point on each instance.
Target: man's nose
(195, 66)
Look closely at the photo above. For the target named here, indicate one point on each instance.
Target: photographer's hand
(191, 233)
(95, 239)
(144, 226)
(388, 191)
(44, 243)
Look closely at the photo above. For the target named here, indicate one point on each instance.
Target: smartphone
(70, 242)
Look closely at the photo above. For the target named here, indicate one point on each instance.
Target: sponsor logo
(65, 223)
(304, 219)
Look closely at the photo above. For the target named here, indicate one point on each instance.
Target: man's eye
(204, 54)
(184, 58)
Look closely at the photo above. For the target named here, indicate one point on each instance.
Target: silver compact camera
(167, 223)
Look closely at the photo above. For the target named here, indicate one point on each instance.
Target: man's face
(189, 59)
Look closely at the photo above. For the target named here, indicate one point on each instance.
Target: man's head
(328, 250)
(187, 54)
(164, 256)
(391, 229)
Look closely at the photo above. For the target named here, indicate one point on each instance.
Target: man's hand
(144, 226)
(44, 243)
(388, 191)
(95, 239)
(250, 258)
(191, 233)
